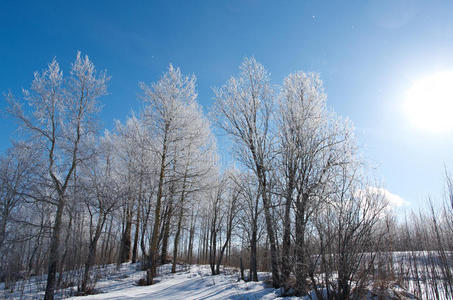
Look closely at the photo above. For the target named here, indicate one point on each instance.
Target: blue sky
(367, 52)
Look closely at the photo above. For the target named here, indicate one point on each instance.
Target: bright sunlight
(429, 102)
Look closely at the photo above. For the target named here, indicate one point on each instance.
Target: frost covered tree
(130, 140)
(57, 115)
(101, 192)
(250, 215)
(222, 213)
(195, 166)
(350, 234)
(19, 168)
(313, 143)
(175, 125)
(152, 190)
(20, 184)
(229, 210)
(243, 108)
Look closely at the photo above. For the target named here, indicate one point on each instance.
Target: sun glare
(429, 102)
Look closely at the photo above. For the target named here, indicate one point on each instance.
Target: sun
(429, 102)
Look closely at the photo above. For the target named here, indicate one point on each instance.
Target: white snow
(189, 282)
(194, 283)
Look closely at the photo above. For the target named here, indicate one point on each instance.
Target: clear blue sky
(368, 54)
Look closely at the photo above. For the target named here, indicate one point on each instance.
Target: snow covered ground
(193, 283)
(189, 282)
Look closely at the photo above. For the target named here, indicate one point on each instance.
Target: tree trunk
(286, 246)
(191, 238)
(206, 243)
(137, 221)
(137, 229)
(166, 232)
(213, 246)
(3, 227)
(125, 248)
(92, 254)
(301, 265)
(105, 249)
(242, 268)
(66, 247)
(144, 225)
(270, 229)
(178, 230)
(253, 264)
(227, 238)
(176, 241)
(53, 254)
(152, 259)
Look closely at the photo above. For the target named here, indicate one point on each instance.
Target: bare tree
(230, 210)
(19, 169)
(101, 198)
(164, 115)
(197, 165)
(62, 116)
(313, 143)
(350, 233)
(129, 140)
(250, 212)
(243, 109)
(215, 222)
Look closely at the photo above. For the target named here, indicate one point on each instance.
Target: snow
(189, 282)
(194, 283)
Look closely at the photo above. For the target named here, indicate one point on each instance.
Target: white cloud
(393, 199)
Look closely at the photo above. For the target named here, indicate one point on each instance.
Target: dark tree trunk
(228, 234)
(176, 241)
(206, 243)
(136, 236)
(253, 262)
(137, 221)
(270, 229)
(5, 215)
(66, 247)
(191, 238)
(286, 246)
(222, 251)
(253, 276)
(53, 254)
(92, 254)
(105, 251)
(178, 230)
(166, 232)
(213, 246)
(144, 225)
(126, 243)
(152, 259)
(301, 263)
(242, 268)
(263, 189)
